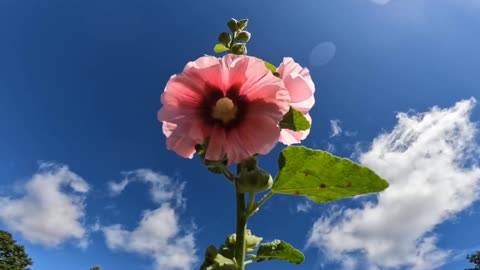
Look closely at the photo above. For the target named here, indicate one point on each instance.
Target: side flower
(301, 88)
(234, 102)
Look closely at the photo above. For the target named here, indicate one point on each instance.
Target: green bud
(248, 164)
(232, 25)
(251, 178)
(242, 24)
(251, 241)
(227, 252)
(243, 36)
(254, 181)
(230, 241)
(239, 48)
(216, 261)
(211, 253)
(225, 38)
(214, 163)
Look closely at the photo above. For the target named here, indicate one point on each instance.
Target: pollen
(224, 110)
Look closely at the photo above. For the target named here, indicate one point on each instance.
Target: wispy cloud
(162, 188)
(350, 133)
(48, 213)
(305, 206)
(159, 233)
(429, 160)
(336, 128)
(331, 147)
(380, 2)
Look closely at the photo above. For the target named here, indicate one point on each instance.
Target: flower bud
(232, 25)
(227, 252)
(239, 48)
(215, 166)
(256, 180)
(243, 36)
(242, 24)
(225, 38)
(251, 241)
(211, 253)
(231, 240)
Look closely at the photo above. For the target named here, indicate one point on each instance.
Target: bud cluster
(236, 42)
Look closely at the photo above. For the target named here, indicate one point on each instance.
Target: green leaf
(279, 250)
(220, 48)
(294, 120)
(323, 177)
(270, 67)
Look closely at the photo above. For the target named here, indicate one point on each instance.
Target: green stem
(241, 231)
(228, 174)
(252, 210)
(251, 201)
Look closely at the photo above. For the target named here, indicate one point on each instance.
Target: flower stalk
(241, 231)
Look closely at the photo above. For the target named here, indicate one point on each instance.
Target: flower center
(224, 110)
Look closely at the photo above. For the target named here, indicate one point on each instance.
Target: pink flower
(300, 86)
(234, 100)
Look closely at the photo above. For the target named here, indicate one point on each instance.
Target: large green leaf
(279, 250)
(323, 177)
(294, 120)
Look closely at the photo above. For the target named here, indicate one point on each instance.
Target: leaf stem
(228, 174)
(251, 201)
(252, 210)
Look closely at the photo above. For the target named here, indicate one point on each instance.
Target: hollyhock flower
(235, 101)
(300, 86)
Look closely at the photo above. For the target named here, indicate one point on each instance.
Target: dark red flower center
(225, 110)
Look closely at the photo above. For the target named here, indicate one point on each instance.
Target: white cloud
(305, 206)
(48, 213)
(336, 128)
(162, 189)
(429, 160)
(159, 233)
(350, 133)
(331, 148)
(380, 2)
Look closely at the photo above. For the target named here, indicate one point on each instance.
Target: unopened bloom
(233, 101)
(300, 86)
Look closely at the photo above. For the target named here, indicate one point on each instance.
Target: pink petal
(288, 66)
(183, 138)
(301, 88)
(216, 145)
(258, 76)
(258, 135)
(304, 106)
(288, 136)
(297, 87)
(168, 128)
(234, 70)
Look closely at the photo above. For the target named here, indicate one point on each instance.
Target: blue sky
(85, 177)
